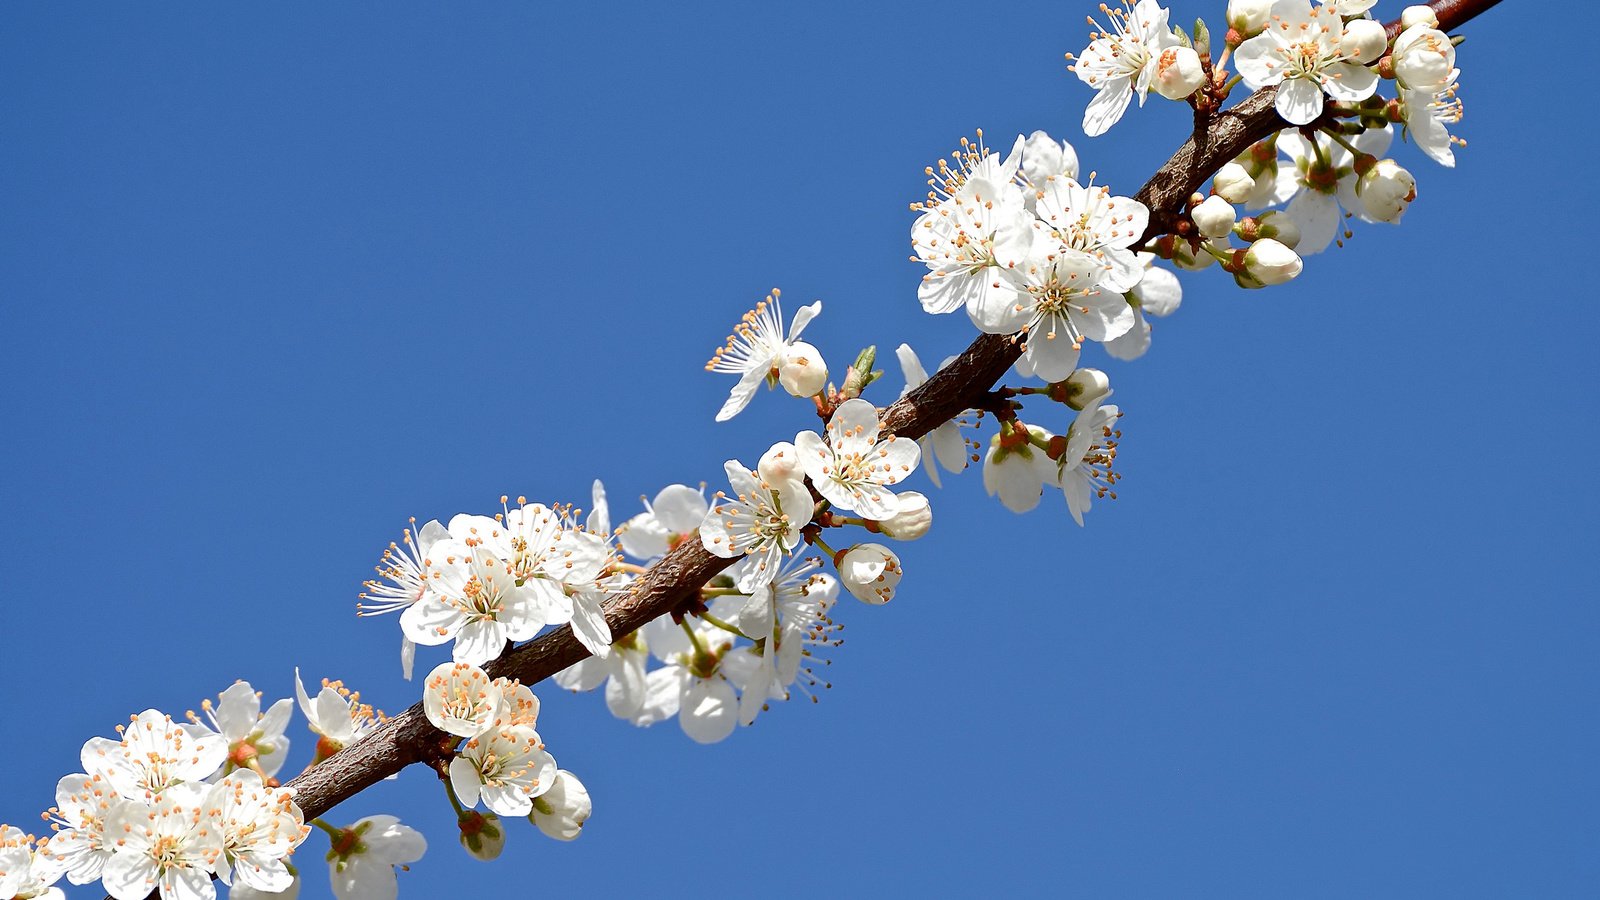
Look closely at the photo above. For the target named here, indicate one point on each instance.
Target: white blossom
(362, 862)
(337, 715)
(870, 572)
(84, 807)
(974, 228)
(253, 739)
(761, 522)
(1427, 114)
(154, 754)
(459, 699)
(1016, 469)
(404, 581)
(165, 843)
(675, 512)
(944, 443)
(622, 672)
(758, 351)
(1121, 60)
(1178, 73)
(1424, 58)
(259, 827)
(1084, 470)
(1302, 51)
(506, 767)
(852, 467)
(911, 521)
(1386, 190)
(27, 871)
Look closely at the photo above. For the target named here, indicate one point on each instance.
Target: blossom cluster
(168, 805)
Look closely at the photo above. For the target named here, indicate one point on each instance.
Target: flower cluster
(168, 805)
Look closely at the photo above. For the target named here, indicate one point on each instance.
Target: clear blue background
(276, 278)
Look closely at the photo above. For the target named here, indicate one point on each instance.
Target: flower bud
(1043, 157)
(870, 572)
(1386, 190)
(1214, 217)
(911, 520)
(1276, 224)
(481, 834)
(1418, 15)
(780, 463)
(1085, 386)
(1186, 257)
(1423, 58)
(561, 811)
(1233, 183)
(1178, 73)
(1248, 17)
(1364, 40)
(1269, 262)
(802, 371)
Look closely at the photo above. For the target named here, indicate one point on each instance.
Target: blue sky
(274, 282)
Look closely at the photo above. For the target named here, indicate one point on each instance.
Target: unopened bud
(911, 520)
(561, 811)
(1364, 40)
(1423, 58)
(1214, 217)
(1187, 258)
(1418, 15)
(1276, 224)
(1248, 17)
(1233, 183)
(1386, 190)
(1268, 262)
(1086, 385)
(802, 371)
(1178, 73)
(779, 464)
(870, 572)
(481, 834)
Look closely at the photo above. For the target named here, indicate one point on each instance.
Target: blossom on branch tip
(154, 754)
(404, 581)
(259, 827)
(758, 351)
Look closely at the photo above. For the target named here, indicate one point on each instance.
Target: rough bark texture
(408, 738)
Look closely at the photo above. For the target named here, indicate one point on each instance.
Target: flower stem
(725, 626)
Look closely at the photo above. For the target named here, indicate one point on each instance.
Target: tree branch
(409, 738)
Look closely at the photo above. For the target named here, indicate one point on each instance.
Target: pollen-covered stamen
(947, 177)
(1055, 302)
(402, 570)
(754, 522)
(754, 338)
(1125, 49)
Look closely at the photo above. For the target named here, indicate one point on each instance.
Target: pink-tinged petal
(1299, 101)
